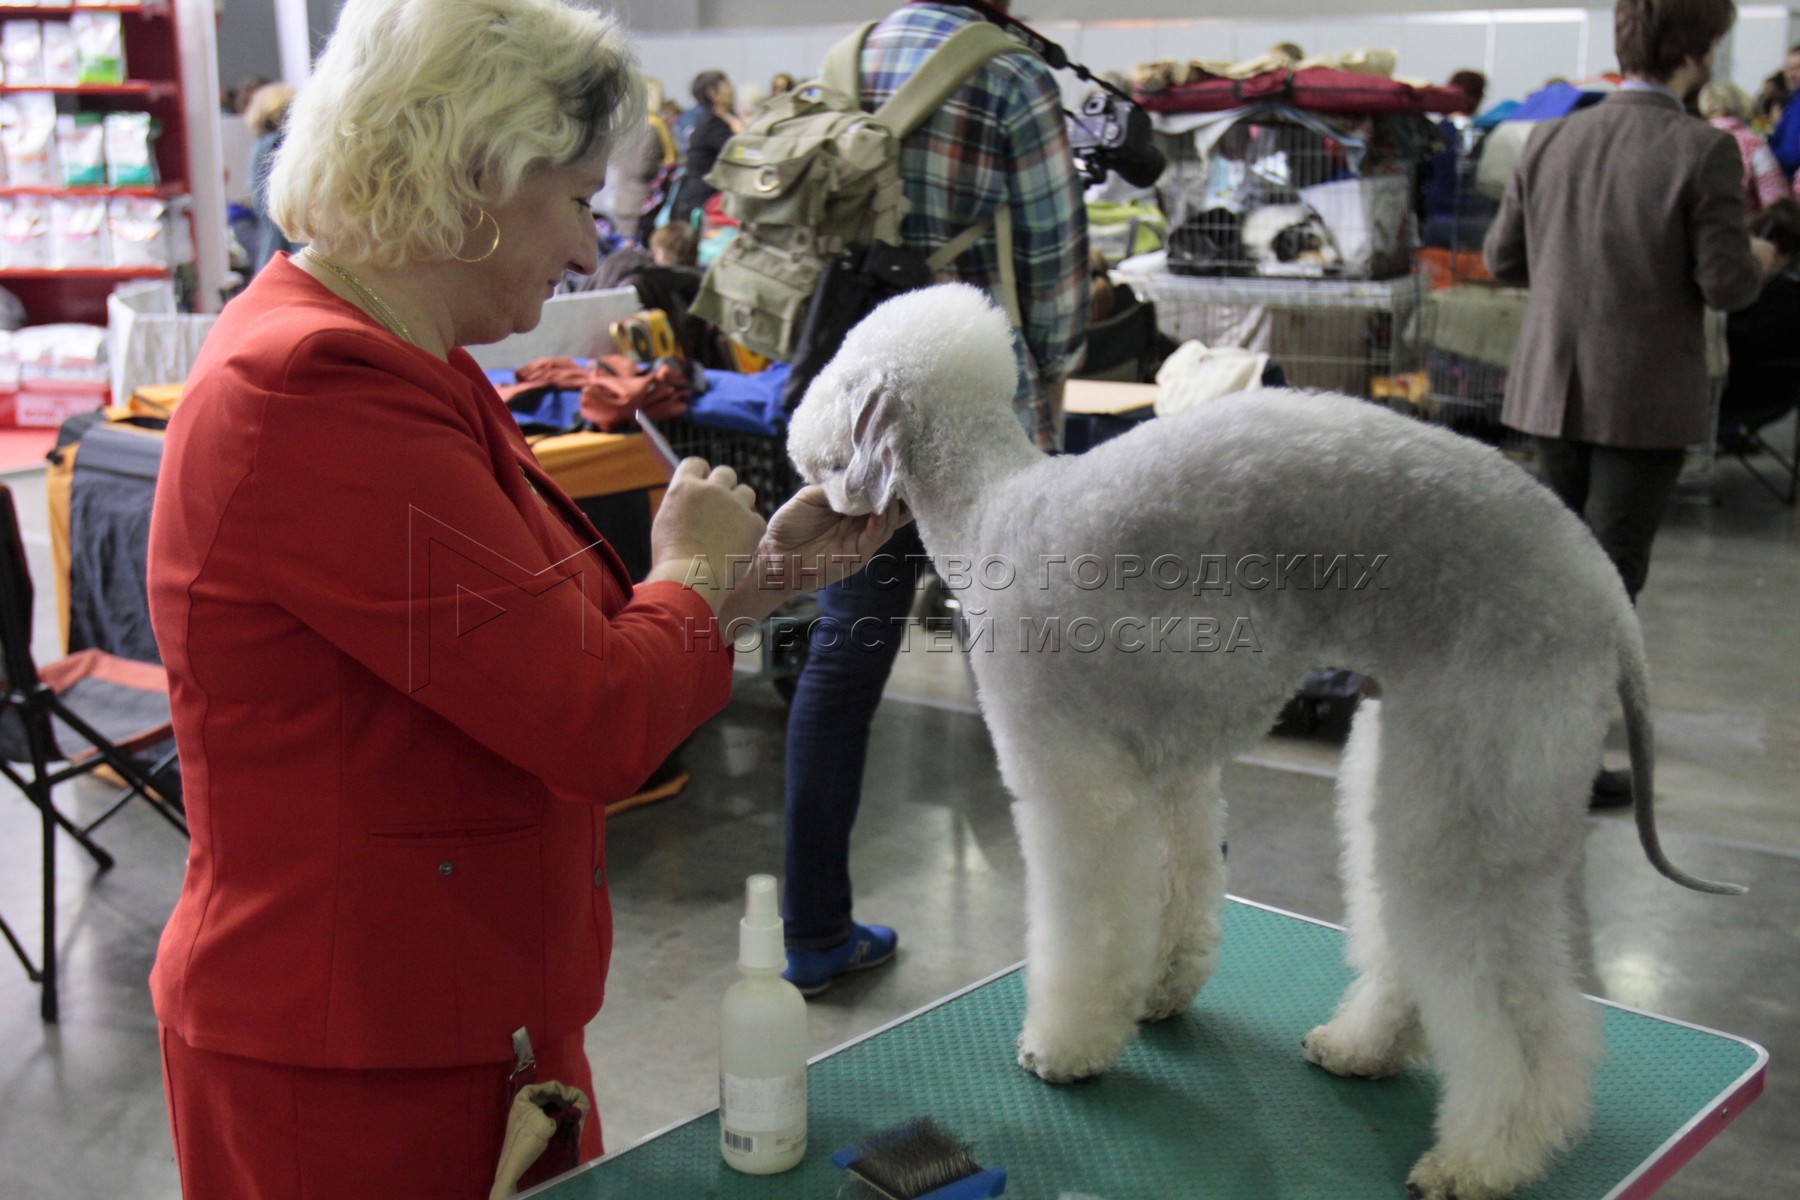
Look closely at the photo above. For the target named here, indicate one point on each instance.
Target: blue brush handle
(979, 1186)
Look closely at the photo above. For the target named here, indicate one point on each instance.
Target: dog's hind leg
(1087, 822)
(1478, 825)
(1375, 1030)
(1192, 816)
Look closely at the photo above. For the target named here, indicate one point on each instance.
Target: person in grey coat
(1626, 220)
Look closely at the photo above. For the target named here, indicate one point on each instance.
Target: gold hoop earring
(485, 216)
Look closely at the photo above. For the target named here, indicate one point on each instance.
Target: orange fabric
(155, 400)
(612, 391)
(64, 673)
(404, 688)
(250, 1130)
(57, 480)
(600, 464)
(1444, 268)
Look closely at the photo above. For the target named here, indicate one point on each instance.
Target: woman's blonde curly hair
(421, 113)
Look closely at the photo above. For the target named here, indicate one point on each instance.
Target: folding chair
(1757, 396)
(86, 710)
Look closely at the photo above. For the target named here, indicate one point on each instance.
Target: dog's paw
(1069, 1062)
(1435, 1177)
(1329, 1047)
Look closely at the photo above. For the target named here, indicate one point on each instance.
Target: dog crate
(1276, 192)
(759, 460)
(1336, 334)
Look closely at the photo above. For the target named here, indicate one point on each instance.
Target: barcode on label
(743, 1143)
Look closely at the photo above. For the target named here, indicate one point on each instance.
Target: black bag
(850, 288)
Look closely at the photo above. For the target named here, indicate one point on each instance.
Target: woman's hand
(706, 531)
(807, 546)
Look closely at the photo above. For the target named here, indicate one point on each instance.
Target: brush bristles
(912, 1160)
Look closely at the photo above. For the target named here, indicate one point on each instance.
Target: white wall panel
(1518, 49)
(1205, 41)
(767, 53)
(1601, 58)
(1253, 38)
(1528, 53)
(1435, 50)
(1758, 45)
(1108, 47)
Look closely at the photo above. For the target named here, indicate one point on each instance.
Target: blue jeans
(861, 626)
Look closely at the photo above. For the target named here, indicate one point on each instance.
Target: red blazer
(403, 689)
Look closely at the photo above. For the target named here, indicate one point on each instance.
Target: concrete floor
(83, 1113)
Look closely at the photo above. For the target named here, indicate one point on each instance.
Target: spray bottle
(762, 1047)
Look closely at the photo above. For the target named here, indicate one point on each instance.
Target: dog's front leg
(1093, 860)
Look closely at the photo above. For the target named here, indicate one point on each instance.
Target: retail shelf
(167, 191)
(148, 89)
(63, 10)
(84, 273)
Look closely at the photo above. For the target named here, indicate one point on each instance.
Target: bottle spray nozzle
(760, 944)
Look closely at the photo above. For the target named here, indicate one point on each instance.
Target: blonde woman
(1727, 107)
(406, 674)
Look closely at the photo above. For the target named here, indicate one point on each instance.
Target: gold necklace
(377, 306)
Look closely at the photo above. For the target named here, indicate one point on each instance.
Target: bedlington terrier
(1140, 613)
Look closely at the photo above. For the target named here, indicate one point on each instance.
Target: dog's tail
(1634, 694)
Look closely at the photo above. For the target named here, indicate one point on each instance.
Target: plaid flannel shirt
(999, 139)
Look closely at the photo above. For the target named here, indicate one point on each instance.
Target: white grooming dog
(1498, 632)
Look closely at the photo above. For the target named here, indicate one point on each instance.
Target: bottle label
(771, 1106)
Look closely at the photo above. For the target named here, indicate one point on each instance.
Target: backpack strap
(842, 70)
(1001, 223)
(947, 68)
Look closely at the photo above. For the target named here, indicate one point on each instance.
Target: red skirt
(251, 1130)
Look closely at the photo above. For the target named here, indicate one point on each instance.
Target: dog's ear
(877, 450)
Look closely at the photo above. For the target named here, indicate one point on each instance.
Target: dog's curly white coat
(1499, 634)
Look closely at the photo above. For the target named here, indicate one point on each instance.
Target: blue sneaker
(867, 946)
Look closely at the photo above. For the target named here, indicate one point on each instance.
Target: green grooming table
(1218, 1102)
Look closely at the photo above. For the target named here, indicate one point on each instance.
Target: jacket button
(444, 868)
(599, 876)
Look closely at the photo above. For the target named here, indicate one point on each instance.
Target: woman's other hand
(706, 532)
(806, 547)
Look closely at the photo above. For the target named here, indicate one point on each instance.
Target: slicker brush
(920, 1160)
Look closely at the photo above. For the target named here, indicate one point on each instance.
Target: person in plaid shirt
(999, 139)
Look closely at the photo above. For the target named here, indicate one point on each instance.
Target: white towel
(1196, 373)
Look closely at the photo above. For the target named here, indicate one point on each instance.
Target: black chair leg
(142, 783)
(103, 861)
(47, 982)
(18, 948)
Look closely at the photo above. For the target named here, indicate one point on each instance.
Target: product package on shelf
(99, 47)
(72, 352)
(59, 52)
(24, 234)
(78, 233)
(49, 373)
(81, 149)
(130, 161)
(22, 50)
(138, 231)
(28, 139)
